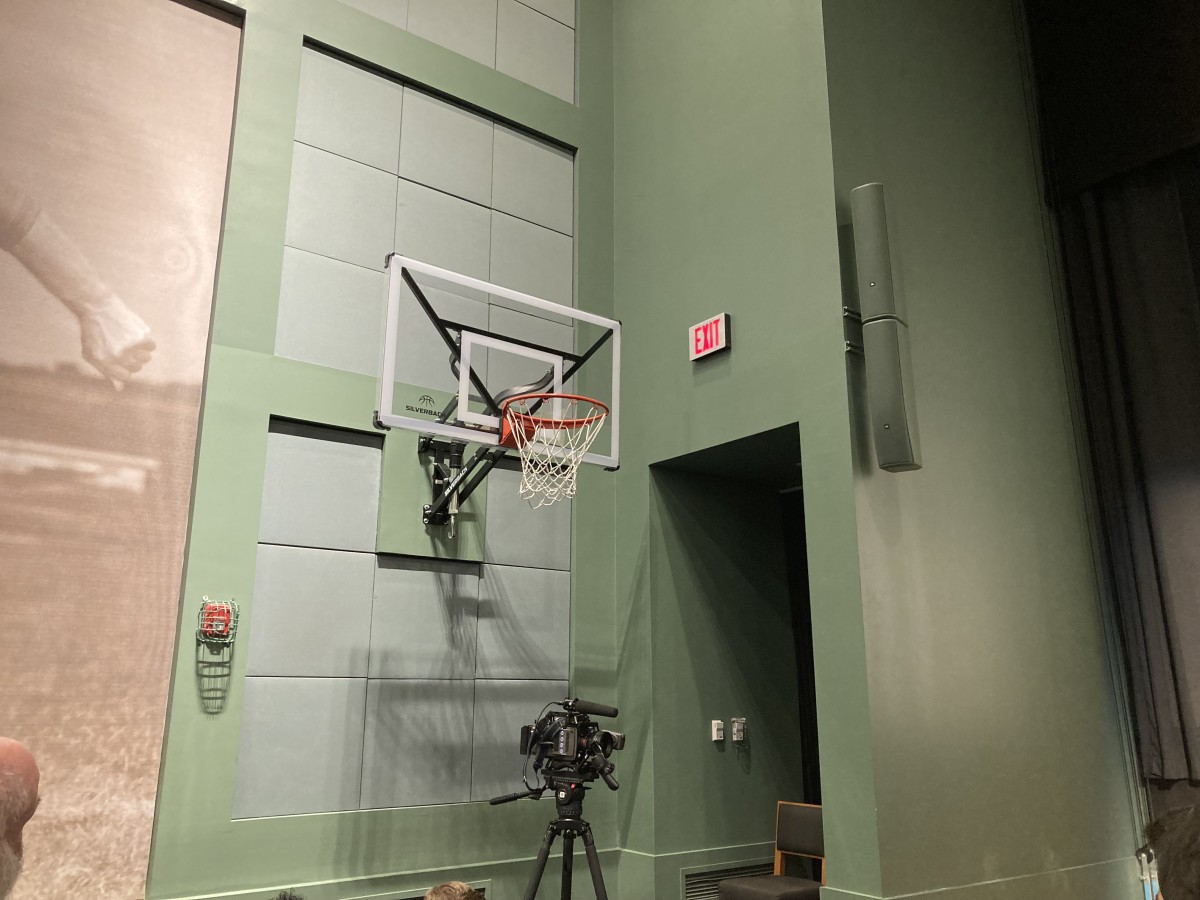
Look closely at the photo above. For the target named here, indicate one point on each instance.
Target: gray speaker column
(890, 397)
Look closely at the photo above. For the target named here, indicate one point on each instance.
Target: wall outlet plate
(738, 727)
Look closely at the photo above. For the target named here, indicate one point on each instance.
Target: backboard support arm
(455, 485)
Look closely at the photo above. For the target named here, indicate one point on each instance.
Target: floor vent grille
(703, 885)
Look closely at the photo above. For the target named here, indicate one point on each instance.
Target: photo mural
(115, 123)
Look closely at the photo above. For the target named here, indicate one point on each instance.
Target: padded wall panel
(418, 743)
(467, 27)
(533, 259)
(445, 231)
(501, 708)
(447, 147)
(312, 612)
(536, 49)
(321, 488)
(562, 10)
(524, 623)
(349, 111)
(301, 748)
(340, 208)
(330, 312)
(534, 180)
(516, 534)
(424, 619)
(394, 12)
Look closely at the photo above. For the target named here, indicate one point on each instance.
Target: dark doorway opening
(766, 466)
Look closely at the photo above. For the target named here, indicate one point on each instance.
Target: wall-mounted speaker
(890, 398)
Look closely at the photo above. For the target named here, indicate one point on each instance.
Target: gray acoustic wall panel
(470, 28)
(524, 623)
(446, 147)
(445, 231)
(312, 612)
(536, 49)
(533, 259)
(516, 534)
(330, 312)
(467, 27)
(422, 357)
(301, 749)
(424, 619)
(418, 743)
(340, 208)
(394, 12)
(534, 180)
(349, 111)
(562, 10)
(321, 488)
(501, 708)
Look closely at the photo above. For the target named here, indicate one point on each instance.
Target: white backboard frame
(484, 429)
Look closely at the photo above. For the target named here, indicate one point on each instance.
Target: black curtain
(1132, 250)
(1117, 84)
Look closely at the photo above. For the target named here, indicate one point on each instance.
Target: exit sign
(710, 336)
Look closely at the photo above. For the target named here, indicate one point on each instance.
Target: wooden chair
(798, 832)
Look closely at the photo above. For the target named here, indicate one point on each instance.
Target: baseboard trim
(1114, 879)
(391, 884)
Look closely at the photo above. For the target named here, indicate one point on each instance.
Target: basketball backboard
(455, 346)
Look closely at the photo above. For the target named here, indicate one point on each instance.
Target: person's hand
(115, 340)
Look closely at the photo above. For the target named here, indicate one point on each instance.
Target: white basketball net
(552, 433)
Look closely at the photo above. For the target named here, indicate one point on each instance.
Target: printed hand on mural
(115, 339)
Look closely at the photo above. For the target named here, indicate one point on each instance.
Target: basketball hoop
(551, 446)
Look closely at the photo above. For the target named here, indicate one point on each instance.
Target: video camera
(568, 745)
(568, 749)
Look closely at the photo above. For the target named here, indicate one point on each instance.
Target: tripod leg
(568, 864)
(539, 867)
(593, 859)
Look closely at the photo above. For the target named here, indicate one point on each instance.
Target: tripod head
(568, 787)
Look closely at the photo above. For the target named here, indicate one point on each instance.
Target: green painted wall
(998, 745)
(725, 202)
(198, 850)
(968, 728)
(970, 738)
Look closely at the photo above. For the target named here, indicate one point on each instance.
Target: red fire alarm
(217, 621)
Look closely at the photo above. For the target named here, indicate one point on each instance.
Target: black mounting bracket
(447, 465)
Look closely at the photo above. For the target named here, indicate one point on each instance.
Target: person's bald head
(19, 777)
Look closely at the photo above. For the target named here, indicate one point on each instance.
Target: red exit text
(710, 336)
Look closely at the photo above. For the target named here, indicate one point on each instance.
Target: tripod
(568, 800)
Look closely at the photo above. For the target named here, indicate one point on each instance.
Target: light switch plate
(738, 727)
(718, 730)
